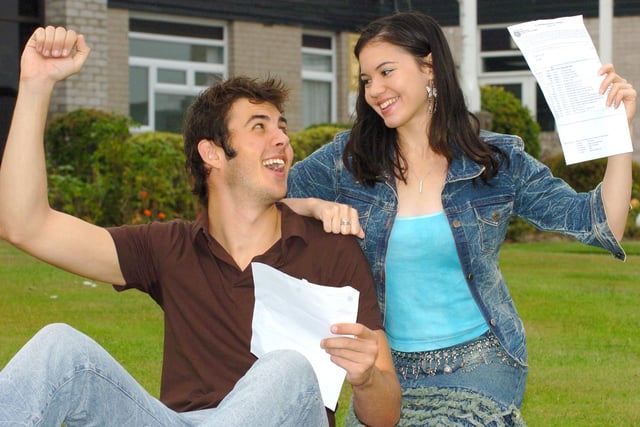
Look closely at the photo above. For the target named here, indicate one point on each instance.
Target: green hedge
(149, 182)
(307, 141)
(72, 141)
(509, 116)
(99, 172)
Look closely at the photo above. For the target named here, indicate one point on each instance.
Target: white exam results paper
(291, 313)
(565, 63)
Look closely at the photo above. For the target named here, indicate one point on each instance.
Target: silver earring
(432, 95)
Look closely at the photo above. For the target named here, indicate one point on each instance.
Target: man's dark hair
(207, 118)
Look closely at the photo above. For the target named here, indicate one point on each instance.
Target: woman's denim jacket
(478, 214)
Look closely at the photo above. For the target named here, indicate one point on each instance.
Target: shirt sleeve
(137, 260)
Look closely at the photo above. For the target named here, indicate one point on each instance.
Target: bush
(98, 172)
(69, 193)
(71, 142)
(154, 182)
(72, 138)
(509, 116)
(520, 230)
(581, 176)
(307, 141)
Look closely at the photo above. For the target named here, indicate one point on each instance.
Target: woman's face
(394, 84)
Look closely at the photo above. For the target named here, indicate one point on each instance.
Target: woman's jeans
(475, 383)
(62, 376)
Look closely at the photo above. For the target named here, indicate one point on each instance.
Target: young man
(199, 272)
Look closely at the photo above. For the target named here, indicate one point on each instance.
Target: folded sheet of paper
(565, 63)
(291, 313)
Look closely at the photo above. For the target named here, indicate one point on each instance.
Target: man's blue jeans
(63, 376)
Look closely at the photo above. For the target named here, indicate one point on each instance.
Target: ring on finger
(345, 222)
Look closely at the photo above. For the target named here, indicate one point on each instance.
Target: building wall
(254, 49)
(90, 88)
(118, 64)
(346, 76)
(626, 58)
(260, 50)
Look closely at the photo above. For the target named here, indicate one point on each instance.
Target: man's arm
(26, 219)
(366, 357)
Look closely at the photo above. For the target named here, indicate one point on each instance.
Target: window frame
(526, 79)
(322, 76)
(191, 68)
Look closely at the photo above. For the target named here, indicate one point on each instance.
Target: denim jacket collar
(462, 168)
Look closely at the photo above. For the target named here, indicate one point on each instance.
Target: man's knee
(58, 334)
(295, 383)
(291, 362)
(60, 343)
(52, 347)
(292, 369)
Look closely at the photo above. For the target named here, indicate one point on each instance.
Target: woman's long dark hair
(372, 151)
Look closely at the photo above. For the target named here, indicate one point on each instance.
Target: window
(318, 80)
(502, 64)
(169, 64)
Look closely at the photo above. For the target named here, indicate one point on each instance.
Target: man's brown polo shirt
(208, 301)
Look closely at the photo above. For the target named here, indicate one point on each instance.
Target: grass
(579, 305)
(33, 294)
(581, 312)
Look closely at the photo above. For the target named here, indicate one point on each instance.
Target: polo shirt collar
(293, 228)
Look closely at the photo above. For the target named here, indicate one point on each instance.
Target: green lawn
(581, 309)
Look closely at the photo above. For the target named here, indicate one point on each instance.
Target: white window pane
(316, 98)
(316, 62)
(176, 51)
(172, 76)
(139, 95)
(169, 111)
(208, 54)
(207, 79)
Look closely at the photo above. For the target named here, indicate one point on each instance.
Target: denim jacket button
(470, 277)
(493, 322)
(457, 223)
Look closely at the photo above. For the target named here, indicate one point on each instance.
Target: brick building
(150, 57)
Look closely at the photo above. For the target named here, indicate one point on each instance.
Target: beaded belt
(445, 360)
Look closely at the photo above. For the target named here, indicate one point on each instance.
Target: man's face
(258, 134)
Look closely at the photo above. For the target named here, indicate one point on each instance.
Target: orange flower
(143, 194)
(635, 203)
(161, 215)
(147, 212)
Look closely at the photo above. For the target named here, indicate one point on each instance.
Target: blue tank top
(429, 305)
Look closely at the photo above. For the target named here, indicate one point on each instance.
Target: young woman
(431, 197)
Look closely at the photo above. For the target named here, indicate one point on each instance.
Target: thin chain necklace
(434, 168)
(420, 181)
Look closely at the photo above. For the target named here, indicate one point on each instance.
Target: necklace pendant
(420, 187)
